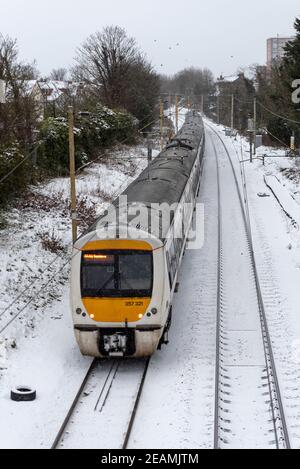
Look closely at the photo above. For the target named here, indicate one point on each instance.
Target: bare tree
(18, 116)
(59, 74)
(112, 65)
(104, 60)
(194, 82)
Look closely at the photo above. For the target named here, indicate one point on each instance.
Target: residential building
(275, 49)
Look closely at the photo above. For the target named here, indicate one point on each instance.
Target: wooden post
(293, 142)
(72, 173)
(149, 147)
(251, 152)
(188, 103)
(255, 123)
(177, 114)
(202, 104)
(232, 111)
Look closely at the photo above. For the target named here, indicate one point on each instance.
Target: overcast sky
(222, 35)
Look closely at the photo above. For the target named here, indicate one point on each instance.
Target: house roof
(53, 89)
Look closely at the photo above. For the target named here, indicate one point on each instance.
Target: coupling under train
(124, 272)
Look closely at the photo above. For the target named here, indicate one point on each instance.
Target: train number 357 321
(131, 304)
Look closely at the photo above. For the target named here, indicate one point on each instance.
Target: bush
(53, 151)
(3, 221)
(283, 130)
(93, 132)
(51, 243)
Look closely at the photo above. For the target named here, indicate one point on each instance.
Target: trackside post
(72, 173)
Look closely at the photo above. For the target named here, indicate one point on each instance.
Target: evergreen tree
(291, 61)
(275, 93)
(291, 68)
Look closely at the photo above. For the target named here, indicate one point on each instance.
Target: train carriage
(124, 271)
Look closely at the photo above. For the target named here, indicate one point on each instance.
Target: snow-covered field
(273, 191)
(37, 347)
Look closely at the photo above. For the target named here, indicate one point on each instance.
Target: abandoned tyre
(23, 394)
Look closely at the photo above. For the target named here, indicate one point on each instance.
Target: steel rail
(66, 421)
(110, 376)
(136, 405)
(218, 328)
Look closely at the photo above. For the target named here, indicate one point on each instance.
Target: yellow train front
(117, 295)
(123, 282)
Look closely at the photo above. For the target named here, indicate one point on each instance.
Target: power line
(119, 190)
(278, 115)
(31, 299)
(278, 139)
(28, 286)
(26, 158)
(119, 143)
(35, 295)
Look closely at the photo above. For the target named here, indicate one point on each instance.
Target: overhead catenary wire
(287, 119)
(279, 419)
(25, 158)
(33, 152)
(119, 190)
(58, 256)
(276, 138)
(42, 289)
(102, 155)
(70, 258)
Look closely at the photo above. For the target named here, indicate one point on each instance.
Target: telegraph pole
(2, 91)
(161, 123)
(218, 109)
(232, 111)
(293, 146)
(177, 113)
(72, 173)
(149, 147)
(202, 104)
(251, 134)
(188, 103)
(2, 94)
(255, 123)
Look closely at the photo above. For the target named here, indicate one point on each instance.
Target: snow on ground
(171, 114)
(284, 198)
(38, 348)
(277, 248)
(177, 407)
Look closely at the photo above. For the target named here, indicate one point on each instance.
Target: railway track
(248, 402)
(103, 412)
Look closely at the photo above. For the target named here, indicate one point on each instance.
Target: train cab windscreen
(117, 274)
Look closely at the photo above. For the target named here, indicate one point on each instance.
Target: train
(124, 271)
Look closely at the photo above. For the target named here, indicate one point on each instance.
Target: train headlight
(154, 311)
(78, 311)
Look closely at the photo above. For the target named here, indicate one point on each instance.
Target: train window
(135, 272)
(172, 261)
(171, 279)
(97, 274)
(123, 274)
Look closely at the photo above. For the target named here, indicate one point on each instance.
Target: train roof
(165, 178)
